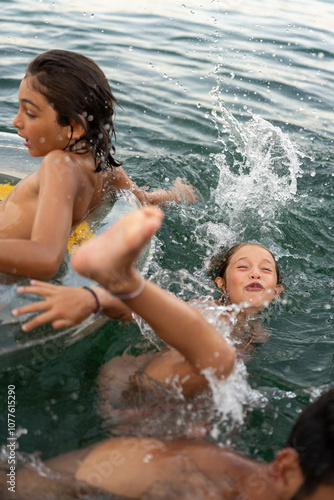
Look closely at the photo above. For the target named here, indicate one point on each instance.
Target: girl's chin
(255, 306)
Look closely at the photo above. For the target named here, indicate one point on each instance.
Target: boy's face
(37, 122)
(251, 277)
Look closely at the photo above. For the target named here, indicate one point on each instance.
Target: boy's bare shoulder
(70, 165)
(60, 159)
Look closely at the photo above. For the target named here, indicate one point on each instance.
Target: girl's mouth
(254, 287)
(26, 142)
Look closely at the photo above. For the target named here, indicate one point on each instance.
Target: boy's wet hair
(219, 263)
(78, 89)
(312, 436)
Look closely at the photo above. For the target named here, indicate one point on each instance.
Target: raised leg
(109, 259)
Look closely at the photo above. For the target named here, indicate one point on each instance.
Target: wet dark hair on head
(78, 89)
(219, 263)
(312, 436)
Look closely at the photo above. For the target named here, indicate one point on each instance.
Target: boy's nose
(17, 122)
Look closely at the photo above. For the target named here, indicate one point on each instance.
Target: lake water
(238, 98)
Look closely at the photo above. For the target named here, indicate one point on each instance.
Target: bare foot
(108, 258)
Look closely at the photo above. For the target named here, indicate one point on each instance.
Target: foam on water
(232, 397)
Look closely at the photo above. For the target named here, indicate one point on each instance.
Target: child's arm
(198, 344)
(180, 192)
(56, 191)
(65, 306)
(32, 483)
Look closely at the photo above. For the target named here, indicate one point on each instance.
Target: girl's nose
(255, 274)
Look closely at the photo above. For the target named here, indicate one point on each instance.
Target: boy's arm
(180, 192)
(41, 256)
(66, 306)
(32, 485)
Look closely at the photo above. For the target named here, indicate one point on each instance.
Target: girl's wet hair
(220, 262)
(78, 90)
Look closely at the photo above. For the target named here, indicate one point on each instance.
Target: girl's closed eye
(30, 115)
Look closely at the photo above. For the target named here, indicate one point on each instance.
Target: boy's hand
(63, 306)
(184, 192)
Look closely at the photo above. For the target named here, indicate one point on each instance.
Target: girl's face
(251, 277)
(37, 122)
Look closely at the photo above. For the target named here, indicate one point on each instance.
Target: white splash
(232, 397)
(258, 170)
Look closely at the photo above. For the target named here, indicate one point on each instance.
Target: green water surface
(238, 100)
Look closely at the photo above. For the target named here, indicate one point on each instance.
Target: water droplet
(147, 458)
(130, 48)
(20, 431)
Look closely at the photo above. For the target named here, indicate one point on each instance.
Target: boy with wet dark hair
(313, 439)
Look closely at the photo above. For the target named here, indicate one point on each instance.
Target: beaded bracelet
(98, 309)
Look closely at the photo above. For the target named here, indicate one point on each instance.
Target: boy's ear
(278, 290)
(220, 282)
(287, 473)
(76, 130)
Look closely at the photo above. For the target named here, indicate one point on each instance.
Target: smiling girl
(65, 115)
(247, 274)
